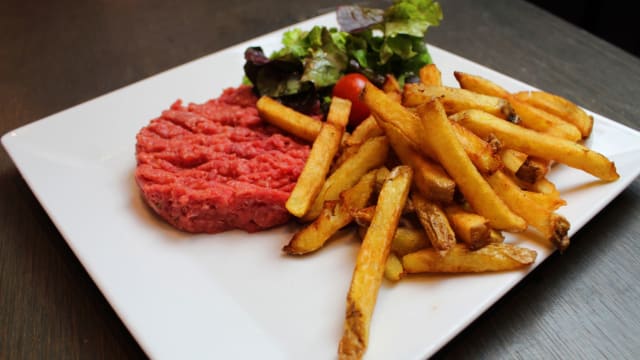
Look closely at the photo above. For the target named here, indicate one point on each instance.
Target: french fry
(324, 149)
(430, 75)
(546, 114)
(366, 130)
(482, 154)
(372, 154)
(471, 228)
(393, 269)
(393, 117)
(540, 120)
(512, 159)
(544, 186)
(315, 170)
(407, 240)
(537, 209)
(504, 183)
(540, 145)
(533, 169)
(396, 120)
(480, 85)
(434, 222)
(455, 100)
(346, 151)
(495, 237)
(461, 259)
(364, 216)
(388, 113)
(527, 169)
(471, 175)
(315, 234)
(289, 120)
(453, 158)
(370, 263)
(561, 107)
(339, 112)
(334, 216)
(429, 177)
(392, 88)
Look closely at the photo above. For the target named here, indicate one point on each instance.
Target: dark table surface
(581, 304)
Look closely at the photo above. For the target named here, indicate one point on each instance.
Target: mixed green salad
(372, 42)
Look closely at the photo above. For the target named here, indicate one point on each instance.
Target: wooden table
(582, 304)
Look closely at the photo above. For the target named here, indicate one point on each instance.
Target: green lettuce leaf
(295, 44)
(411, 17)
(328, 58)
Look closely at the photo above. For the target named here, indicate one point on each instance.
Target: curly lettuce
(374, 42)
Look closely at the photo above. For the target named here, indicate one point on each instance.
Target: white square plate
(234, 295)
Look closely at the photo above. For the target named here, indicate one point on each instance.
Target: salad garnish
(372, 42)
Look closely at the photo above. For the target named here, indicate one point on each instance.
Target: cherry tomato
(349, 87)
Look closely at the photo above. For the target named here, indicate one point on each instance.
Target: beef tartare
(217, 166)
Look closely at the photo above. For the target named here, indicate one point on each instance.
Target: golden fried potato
(544, 186)
(480, 85)
(561, 107)
(371, 262)
(393, 269)
(429, 177)
(471, 228)
(481, 153)
(339, 112)
(537, 144)
(363, 216)
(372, 154)
(475, 189)
(404, 129)
(471, 175)
(396, 120)
(495, 236)
(533, 169)
(289, 120)
(366, 130)
(430, 75)
(537, 119)
(527, 169)
(512, 159)
(455, 100)
(434, 222)
(334, 216)
(392, 88)
(315, 169)
(537, 209)
(461, 259)
(407, 240)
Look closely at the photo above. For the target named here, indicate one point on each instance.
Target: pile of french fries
(432, 179)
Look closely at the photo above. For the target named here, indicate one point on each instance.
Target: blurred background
(612, 21)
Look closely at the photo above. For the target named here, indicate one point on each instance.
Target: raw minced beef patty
(217, 166)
